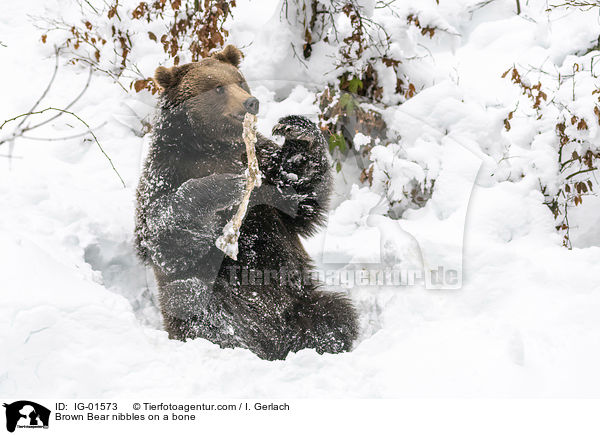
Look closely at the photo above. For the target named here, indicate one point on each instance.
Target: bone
(228, 242)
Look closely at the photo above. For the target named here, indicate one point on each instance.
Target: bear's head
(213, 93)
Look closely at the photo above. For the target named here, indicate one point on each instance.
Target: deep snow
(77, 313)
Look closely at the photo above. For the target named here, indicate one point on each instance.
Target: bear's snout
(251, 105)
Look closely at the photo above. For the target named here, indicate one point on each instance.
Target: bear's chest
(203, 166)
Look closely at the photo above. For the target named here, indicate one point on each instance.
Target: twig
(90, 5)
(577, 4)
(25, 115)
(30, 111)
(90, 62)
(52, 118)
(228, 242)
(383, 4)
(480, 5)
(567, 237)
(18, 132)
(298, 57)
(580, 172)
(54, 139)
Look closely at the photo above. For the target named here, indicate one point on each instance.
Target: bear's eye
(220, 89)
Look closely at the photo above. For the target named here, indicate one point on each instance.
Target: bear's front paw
(298, 128)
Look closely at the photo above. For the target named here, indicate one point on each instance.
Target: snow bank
(78, 315)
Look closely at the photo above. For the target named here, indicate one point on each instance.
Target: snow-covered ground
(78, 315)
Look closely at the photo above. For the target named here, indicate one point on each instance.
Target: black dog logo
(26, 414)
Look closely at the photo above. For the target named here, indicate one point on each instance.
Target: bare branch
(580, 172)
(54, 139)
(52, 118)
(25, 115)
(586, 5)
(35, 105)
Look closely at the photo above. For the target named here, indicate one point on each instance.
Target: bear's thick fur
(191, 186)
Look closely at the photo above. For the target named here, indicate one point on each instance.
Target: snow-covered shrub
(370, 46)
(404, 179)
(363, 57)
(563, 109)
(112, 36)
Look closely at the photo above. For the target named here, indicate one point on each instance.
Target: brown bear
(191, 186)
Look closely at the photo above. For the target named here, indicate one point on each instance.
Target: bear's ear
(229, 54)
(163, 77)
(170, 77)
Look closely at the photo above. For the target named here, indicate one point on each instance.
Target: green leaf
(338, 167)
(354, 85)
(337, 141)
(347, 102)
